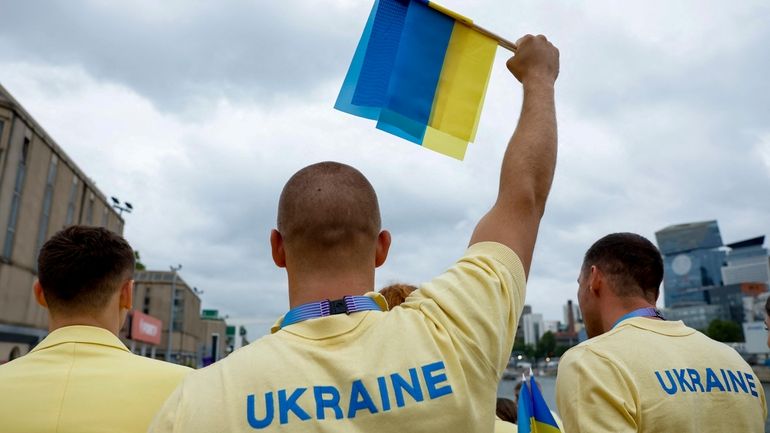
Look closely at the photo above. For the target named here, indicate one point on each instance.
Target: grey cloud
(189, 51)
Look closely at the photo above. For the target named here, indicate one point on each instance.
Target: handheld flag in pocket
(421, 72)
(534, 416)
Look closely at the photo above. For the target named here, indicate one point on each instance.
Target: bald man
(331, 363)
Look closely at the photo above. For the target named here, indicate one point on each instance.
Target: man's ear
(383, 246)
(127, 295)
(596, 281)
(277, 248)
(39, 294)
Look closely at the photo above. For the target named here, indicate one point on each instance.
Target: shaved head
(328, 214)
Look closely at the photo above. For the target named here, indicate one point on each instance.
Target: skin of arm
(530, 159)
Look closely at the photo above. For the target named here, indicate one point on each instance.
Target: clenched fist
(535, 60)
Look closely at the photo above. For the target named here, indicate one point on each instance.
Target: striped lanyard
(314, 310)
(642, 312)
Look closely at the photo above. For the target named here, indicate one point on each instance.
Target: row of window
(22, 168)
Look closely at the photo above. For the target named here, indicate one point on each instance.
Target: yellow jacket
(83, 379)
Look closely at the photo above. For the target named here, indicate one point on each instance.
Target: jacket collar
(81, 334)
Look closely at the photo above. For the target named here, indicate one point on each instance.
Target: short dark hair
(328, 211)
(767, 306)
(506, 410)
(81, 267)
(631, 261)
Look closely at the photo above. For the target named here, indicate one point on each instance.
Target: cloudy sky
(198, 112)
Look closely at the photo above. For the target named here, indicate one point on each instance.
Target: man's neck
(57, 322)
(621, 309)
(311, 288)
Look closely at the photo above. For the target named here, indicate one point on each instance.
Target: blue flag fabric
(534, 416)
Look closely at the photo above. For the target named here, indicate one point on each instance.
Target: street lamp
(174, 270)
(124, 207)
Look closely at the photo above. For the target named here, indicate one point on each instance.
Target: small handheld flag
(421, 71)
(534, 415)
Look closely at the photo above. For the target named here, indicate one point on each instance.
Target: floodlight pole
(171, 311)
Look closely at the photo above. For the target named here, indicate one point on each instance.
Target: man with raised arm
(331, 363)
(639, 372)
(81, 378)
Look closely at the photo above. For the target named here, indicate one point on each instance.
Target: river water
(548, 385)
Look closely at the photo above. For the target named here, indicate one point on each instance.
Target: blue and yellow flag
(421, 72)
(534, 415)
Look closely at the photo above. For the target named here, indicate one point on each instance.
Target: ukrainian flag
(421, 72)
(534, 415)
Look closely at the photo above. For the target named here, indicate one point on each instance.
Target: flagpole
(505, 43)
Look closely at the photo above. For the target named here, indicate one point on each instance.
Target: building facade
(534, 328)
(41, 191)
(692, 258)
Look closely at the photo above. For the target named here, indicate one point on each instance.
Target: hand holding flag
(421, 71)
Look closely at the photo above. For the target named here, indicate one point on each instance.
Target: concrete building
(153, 294)
(215, 337)
(41, 191)
(533, 327)
(747, 262)
(692, 258)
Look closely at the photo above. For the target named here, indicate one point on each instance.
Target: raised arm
(530, 159)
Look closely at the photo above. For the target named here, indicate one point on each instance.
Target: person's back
(81, 378)
(348, 373)
(639, 372)
(677, 378)
(332, 362)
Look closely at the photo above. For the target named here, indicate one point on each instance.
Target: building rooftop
(689, 236)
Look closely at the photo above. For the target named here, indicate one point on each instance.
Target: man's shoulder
(155, 367)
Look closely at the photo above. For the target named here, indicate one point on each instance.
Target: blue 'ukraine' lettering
(290, 405)
(683, 381)
(737, 379)
(360, 399)
(432, 382)
(724, 376)
(400, 385)
(752, 385)
(670, 390)
(740, 381)
(322, 403)
(328, 397)
(384, 393)
(712, 381)
(251, 415)
(695, 378)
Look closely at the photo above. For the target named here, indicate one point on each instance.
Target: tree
(546, 346)
(139, 266)
(725, 331)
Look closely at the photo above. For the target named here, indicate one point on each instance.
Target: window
(2, 126)
(146, 306)
(71, 203)
(15, 201)
(105, 217)
(45, 215)
(90, 211)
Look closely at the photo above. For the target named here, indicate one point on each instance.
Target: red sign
(145, 328)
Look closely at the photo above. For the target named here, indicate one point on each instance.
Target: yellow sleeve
(593, 395)
(167, 419)
(479, 300)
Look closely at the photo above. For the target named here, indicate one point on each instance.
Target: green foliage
(139, 265)
(725, 331)
(546, 346)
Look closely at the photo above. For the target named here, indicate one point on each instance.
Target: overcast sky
(198, 112)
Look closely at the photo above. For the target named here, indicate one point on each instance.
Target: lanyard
(314, 310)
(642, 312)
